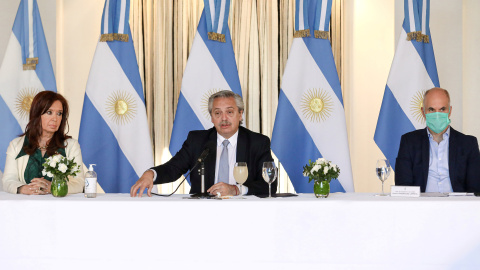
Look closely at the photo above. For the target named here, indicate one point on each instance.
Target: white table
(345, 231)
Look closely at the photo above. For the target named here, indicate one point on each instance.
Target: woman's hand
(42, 184)
(38, 186)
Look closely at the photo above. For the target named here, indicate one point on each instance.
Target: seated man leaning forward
(233, 144)
(438, 158)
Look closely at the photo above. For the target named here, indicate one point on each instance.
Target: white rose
(325, 169)
(316, 168)
(62, 167)
(49, 174)
(52, 163)
(44, 172)
(57, 158)
(321, 160)
(334, 168)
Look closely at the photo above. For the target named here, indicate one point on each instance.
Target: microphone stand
(202, 194)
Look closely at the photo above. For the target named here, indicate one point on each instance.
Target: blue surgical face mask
(437, 121)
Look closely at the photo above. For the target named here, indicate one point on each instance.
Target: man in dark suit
(228, 143)
(438, 158)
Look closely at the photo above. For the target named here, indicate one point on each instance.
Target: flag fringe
(216, 37)
(113, 37)
(33, 60)
(29, 66)
(426, 39)
(417, 35)
(322, 34)
(302, 33)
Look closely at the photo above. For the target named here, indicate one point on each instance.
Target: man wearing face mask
(438, 158)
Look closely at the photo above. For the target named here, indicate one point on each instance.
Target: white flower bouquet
(321, 170)
(60, 166)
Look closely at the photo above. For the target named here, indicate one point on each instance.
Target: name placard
(404, 191)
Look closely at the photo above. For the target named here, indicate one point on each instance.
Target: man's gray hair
(436, 88)
(226, 94)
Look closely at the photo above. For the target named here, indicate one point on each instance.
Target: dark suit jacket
(412, 164)
(253, 148)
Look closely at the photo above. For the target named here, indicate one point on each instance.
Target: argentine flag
(310, 119)
(413, 72)
(211, 67)
(114, 132)
(26, 70)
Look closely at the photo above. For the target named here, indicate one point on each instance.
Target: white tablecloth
(345, 231)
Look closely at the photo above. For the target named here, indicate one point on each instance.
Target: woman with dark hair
(44, 136)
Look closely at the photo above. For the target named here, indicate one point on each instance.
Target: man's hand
(224, 189)
(146, 181)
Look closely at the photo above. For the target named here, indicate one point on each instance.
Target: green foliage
(59, 165)
(321, 170)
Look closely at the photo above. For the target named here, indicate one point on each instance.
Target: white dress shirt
(438, 179)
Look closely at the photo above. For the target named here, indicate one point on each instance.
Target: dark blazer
(412, 164)
(253, 148)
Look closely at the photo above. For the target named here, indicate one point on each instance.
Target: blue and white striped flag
(413, 72)
(114, 132)
(211, 67)
(26, 70)
(310, 120)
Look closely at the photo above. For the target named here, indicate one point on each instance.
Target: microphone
(206, 150)
(201, 159)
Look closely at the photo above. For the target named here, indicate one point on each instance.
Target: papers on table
(433, 194)
(451, 194)
(460, 194)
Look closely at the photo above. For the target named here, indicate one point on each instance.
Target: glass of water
(382, 171)
(269, 173)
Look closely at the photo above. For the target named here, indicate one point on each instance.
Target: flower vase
(321, 188)
(59, 186)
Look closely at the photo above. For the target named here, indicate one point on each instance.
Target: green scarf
(35, 162)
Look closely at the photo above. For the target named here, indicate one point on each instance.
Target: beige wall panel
(8, 11)
(471, 67)
(368, 53)
(78, 31)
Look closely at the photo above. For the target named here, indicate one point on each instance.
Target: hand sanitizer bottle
(91, 183)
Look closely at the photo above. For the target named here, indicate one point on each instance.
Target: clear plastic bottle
(91, 182)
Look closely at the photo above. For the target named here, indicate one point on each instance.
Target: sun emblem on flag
(121, 107)
(204, 101)
(23, 102)
(416, 105)
(316, 105)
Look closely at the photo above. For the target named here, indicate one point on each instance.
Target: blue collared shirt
(438, 172)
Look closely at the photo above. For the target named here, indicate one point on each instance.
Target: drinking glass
(240, 173)
(383, 171)
(269, 173)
